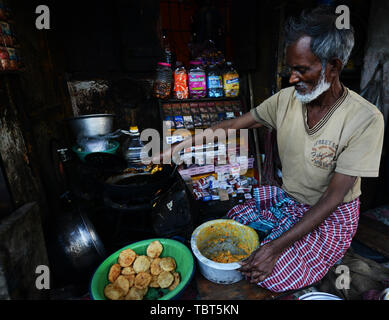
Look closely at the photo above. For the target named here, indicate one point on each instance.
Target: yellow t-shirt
(348, 140)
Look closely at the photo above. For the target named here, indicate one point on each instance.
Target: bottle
(230, 81)
(214, 82)
(197, 81)
(132, 148)
(167, 52)
(163, 81)
(180, 82)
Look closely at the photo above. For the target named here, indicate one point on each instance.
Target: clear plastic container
(132, 148)
(167, 52)
(181, 90)
(197, 81)
(230, 81)
(214, 82)
(163, 81)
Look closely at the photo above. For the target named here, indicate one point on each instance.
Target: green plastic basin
(171, 248)
(82, 154)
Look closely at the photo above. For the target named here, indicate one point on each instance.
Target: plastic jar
(214, 82)
(197, 81)
(230, 81)
(163, 81)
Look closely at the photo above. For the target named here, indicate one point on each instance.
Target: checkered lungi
(308, 259)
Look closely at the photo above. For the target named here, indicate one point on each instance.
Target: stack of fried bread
(132, 276)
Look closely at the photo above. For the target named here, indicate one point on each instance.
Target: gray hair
(327, 41)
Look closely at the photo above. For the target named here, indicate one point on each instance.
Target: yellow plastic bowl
(213, 230)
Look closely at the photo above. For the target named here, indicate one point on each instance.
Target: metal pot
(139, 187)
(75, 247)
(92, 125)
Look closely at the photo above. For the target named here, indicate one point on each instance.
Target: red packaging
(198, 194)
(203, 183)
(4, 59)
(211, 106)
(181, 83)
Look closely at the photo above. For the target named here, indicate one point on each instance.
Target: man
(328, 138)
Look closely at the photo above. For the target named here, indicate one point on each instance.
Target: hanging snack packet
(231, 81)
(180, 82)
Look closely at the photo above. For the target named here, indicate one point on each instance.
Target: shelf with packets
(209, 167)
(10, 56)
(221, 181)
(196, 114)
(206, 99)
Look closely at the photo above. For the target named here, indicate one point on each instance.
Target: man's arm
(260, 264)
(246, 121)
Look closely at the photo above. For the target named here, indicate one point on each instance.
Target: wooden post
(22, 250)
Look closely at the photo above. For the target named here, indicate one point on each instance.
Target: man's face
(306, 70)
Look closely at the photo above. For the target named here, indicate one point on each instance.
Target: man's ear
(335, 66)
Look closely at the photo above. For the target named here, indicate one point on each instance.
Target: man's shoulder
(362, 106)
(283, 97)
(287, 92)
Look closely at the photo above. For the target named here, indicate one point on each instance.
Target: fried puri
(133, 274)
(176, 281)
(155, 268)
(154, 282)
(168, 264)
(114, 272)
(112, 292)
(142, 280)
(126, 258)
(165, 279)
(128, 271)
(143, 291)
(154, 249)
(122, 283)
(134, 294)
(141, 264)
(131, 279)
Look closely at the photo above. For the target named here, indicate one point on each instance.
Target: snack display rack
(10, 57)
(222, 180)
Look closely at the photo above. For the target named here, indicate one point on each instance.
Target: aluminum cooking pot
(75, 247)
(91, 125)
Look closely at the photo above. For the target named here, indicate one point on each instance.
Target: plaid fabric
(308, 259)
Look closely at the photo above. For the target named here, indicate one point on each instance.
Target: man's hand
(259, 265)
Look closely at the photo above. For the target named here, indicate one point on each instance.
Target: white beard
(320, 88)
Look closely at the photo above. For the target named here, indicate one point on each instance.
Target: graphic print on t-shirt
(323, 154)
